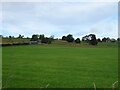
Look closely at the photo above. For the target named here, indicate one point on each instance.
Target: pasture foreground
(59, 67)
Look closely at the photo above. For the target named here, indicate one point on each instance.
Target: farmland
(60, 66)
(57, 43)
(14, 40)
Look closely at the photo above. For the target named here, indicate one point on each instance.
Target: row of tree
(42, 38)
(86, 38)
(91, 39)
(20, 36)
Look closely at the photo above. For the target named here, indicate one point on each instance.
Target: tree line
(43, 39)
(90, 39)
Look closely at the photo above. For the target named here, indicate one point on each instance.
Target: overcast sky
(60, 18)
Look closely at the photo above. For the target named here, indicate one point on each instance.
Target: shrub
(77, 40)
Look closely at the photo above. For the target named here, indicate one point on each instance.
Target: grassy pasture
(37, 66)
(14, 40)
(83, 44)
(58, 43)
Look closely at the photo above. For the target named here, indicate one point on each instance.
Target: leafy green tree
(10, 36)
(112, 40)
(92, 39)
(77, 40)
(46, 40)
(69, 38)
(118, 39)
(34, 38)
(41, 36)
(104, 39)
(20, 36)
(108, 39)
(85, 38)
(99, 40)
(64, 38)
(52, 37)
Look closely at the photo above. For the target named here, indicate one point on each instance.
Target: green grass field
(14, 40)
(36, 66)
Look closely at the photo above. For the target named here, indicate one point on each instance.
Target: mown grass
(59, 67)
(109, 44)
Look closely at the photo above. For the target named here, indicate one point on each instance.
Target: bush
(64, 38)
(69, 38)
(46, 40)
(34, 38)
(77, 40)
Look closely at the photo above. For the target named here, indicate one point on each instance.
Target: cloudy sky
(60, 18)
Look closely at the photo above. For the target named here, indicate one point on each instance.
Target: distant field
(60, 43)
(83, 44)
(14, 40)
(35, 66)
